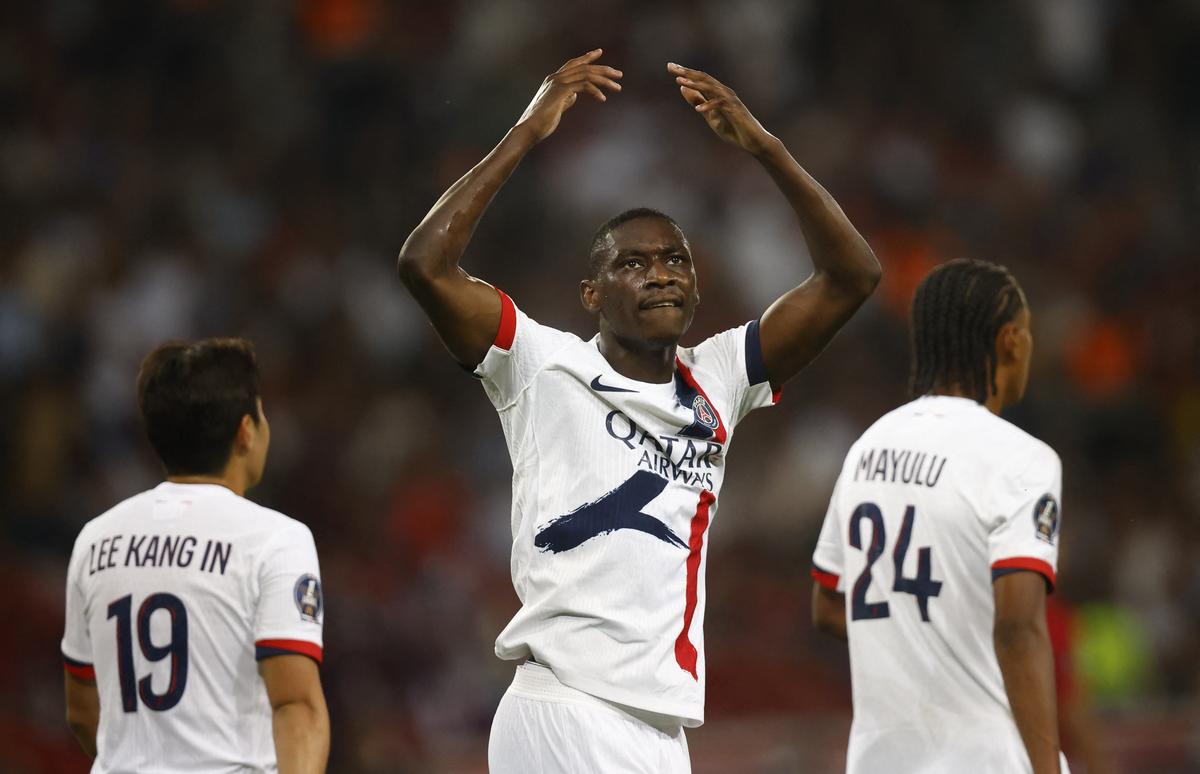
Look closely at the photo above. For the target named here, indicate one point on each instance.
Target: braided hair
(957, 312)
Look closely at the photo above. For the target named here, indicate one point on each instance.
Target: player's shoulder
(1011, 446)
(273, 525)
(115, 515)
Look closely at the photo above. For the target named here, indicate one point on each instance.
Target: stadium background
(212, 167)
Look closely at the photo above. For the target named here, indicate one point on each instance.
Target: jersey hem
(1004, 566)
(268, 648)
(79, 669)
(824, 578)
(685, 713)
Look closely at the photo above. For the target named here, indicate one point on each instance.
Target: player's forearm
(1027, 663)
(301, 736)
(836, 247)
(434, 248)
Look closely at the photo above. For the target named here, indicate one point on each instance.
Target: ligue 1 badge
(704, 413)
(307, 594)
(1045, 518)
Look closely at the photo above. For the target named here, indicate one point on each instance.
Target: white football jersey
(937, 499)
(172, 596)
(615, 484)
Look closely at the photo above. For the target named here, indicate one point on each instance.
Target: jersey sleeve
(736, 354)
(827, 565)
(521, 348)
(291, 605)
(1025, 516)
(77, 639)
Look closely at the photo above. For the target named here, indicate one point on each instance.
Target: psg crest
(1045, 518)
(704, 413)
(307, 594)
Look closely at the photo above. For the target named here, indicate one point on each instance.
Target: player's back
(933, 500)
(173, 591)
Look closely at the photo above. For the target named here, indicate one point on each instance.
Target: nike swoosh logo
(619, 509)
(598, 387)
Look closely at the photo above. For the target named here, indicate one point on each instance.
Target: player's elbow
(1017, 637)
(83, 722)
(866, 274)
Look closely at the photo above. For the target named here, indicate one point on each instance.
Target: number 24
(922, 587)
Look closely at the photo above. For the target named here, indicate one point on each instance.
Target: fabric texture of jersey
(546, 727)
(615, 484)
(934, 501)
(172, 595)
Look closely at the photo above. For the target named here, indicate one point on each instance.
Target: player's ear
(243, 439)
(1007, 343)
(589, 296)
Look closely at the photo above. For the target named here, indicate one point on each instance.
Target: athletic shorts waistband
(538, 681)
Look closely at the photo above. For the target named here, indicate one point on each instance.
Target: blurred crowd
(210, 167)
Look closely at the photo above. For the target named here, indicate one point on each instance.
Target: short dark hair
(192, 398)
(956, 313)
(596, 253)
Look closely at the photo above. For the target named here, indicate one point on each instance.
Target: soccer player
(618, 442)
(193, 618)
(943, 531)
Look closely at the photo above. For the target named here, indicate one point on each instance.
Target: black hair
(192, 398)
(600, 239)
(957, 312)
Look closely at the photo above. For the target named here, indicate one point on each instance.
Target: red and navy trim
(268, 648)
(1024, 564)
(686, 391)
(508, 322)
(756, 367)
(79, 669)
(824, 578)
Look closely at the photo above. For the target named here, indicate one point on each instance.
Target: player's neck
(233, 479)
(655, 365)
(994, 403)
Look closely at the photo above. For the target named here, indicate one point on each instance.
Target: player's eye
(632, 263)
(677, 259)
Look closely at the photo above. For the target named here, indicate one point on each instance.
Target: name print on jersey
(157, 551)
(900, 465)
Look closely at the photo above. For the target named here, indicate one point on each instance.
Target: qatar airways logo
(685, 460)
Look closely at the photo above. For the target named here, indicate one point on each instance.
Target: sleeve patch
(1045, 518)
(268, 648)
(508, 322)
(1024, 563)
(826, 579)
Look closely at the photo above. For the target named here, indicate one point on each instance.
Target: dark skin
(1019, 633)
(647, 259)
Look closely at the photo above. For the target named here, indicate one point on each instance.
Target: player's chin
(665, 331)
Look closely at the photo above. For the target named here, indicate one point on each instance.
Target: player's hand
(562, 87)
(721, 108)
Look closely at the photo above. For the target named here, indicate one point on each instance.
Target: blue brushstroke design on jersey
(619, 509)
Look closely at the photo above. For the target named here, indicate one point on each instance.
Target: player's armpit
(300, 718)
(83, 710)
(829, 611)
(1026, 660)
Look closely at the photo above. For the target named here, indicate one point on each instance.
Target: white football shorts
(545, 727)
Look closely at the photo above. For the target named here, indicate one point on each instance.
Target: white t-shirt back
(172, 596)
(935, 500)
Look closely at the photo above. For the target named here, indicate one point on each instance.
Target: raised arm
(1023, 649)
(802, 321)
(466, 311)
